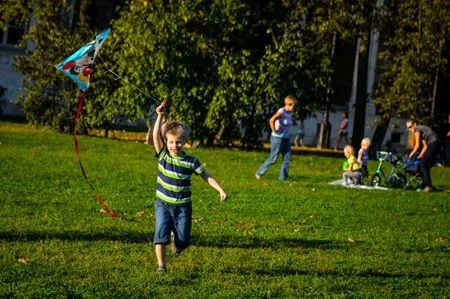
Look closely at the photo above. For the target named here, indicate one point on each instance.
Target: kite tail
(105, 209)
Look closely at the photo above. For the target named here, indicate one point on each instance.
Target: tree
(46, 98)
(226, 65)
(332, 21)
(415, 35)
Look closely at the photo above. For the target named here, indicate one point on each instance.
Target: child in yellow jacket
(352, 169)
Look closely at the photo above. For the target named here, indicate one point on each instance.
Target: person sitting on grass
(363, 157)
(173, 206)
(352, 173)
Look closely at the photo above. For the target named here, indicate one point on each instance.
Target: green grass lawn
(299, 238)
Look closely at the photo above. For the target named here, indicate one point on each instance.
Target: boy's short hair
(366, 141)
(175, 128)
(290, 97)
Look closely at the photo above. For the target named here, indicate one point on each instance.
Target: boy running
(173, 206)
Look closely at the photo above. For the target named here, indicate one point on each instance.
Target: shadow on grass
(124, 236)
(344, 273)
(222, 241)
(227, 241)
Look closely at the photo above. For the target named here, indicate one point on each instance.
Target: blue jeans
(173, 218)
(278, 146)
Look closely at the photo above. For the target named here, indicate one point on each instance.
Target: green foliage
(225, 66)
(413, 52)
(299, 238)
(48, 98)
(17, 11)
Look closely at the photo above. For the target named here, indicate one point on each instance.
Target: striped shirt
(173, 184)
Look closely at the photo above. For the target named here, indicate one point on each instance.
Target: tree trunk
(378, 135)
(359, 121)
(324, 130)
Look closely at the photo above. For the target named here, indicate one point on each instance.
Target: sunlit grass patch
(299, 238)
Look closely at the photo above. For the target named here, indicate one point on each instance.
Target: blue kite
(79, 65)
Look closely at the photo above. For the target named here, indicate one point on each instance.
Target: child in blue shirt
(279, 139)
(363, 157)
(173, 206)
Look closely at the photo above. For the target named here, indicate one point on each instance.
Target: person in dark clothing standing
(430, 149)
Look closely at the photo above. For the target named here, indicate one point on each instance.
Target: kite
(79, 67)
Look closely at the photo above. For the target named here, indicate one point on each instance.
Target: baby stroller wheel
(376, 180)
(413, 182)
(402, 180)
(396, 180)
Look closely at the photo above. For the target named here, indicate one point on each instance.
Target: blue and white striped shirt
(173, 184)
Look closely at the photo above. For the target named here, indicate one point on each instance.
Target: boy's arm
(213, 183)
(360, 157)
(157, 141)
(273, 119)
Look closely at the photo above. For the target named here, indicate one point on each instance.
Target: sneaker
(427, 189)
(258, 177)
(161, 270)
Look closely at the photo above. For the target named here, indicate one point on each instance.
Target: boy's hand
(160, 109)
(223, 196)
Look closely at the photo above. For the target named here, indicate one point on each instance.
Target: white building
(10, 79)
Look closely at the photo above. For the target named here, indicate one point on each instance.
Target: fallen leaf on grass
(441, 240)
(197, 219)
(350, 240)
(23, 260)
(142, 214)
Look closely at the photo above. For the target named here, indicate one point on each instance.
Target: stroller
(412, 173)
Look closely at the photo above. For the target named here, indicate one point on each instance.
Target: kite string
(126, 81)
